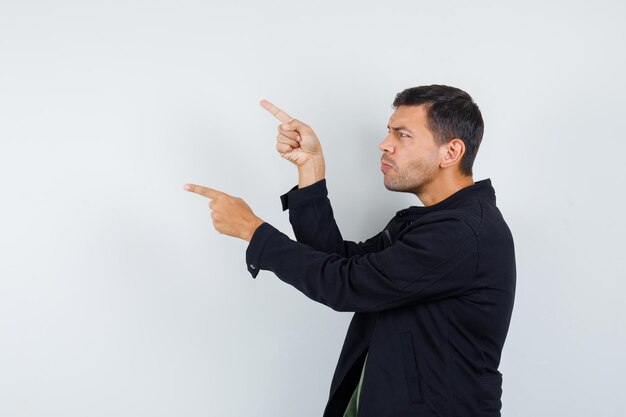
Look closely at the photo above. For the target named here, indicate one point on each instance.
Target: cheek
(435, 157)
(419, 156)
(431, 155)
(427, 161)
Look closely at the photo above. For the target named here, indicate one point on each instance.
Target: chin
(391, 186)
(402, 187)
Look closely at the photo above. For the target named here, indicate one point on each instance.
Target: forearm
(311, 172)
(311, 216)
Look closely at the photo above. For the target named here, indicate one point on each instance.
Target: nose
(386, 145)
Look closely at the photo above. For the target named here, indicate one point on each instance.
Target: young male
(432, 292)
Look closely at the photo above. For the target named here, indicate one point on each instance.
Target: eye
(402, 135)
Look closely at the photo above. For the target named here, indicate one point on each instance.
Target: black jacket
(432, 295)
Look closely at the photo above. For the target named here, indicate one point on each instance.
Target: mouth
(384, 167)
(384, 164)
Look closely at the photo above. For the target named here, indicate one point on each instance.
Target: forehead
(413, 118)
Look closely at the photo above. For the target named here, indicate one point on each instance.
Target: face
(410, 159)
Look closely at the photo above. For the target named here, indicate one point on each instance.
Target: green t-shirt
(352, 408)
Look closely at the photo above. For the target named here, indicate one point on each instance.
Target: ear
(452, 151)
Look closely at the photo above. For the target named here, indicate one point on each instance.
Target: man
(432, 292)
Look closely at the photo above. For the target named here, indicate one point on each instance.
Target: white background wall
(118, 298)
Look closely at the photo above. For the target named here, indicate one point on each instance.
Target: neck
(442, 187)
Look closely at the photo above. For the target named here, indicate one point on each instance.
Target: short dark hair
(451, 114)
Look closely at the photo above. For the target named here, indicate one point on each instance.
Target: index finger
(278, 113)
(204, 191)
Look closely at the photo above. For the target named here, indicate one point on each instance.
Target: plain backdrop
(117, 296)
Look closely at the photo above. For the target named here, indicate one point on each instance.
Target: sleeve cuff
(259, 239)
(301, 196)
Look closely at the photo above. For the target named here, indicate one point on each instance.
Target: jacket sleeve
(428, 262)
(311, 217)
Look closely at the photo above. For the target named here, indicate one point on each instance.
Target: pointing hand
(231, 215)
(296, 141)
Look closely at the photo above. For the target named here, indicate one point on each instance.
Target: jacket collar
(479, 187)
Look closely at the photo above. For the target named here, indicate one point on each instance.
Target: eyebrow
(401, 128)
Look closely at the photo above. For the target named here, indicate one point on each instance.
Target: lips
(385, 164)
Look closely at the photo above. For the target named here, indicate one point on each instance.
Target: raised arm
(310, 211)
(313, 222)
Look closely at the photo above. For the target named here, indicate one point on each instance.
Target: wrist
(311, 171)
(253, 226)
